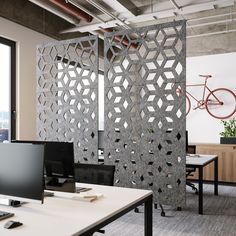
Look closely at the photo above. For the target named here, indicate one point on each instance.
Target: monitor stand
(56, 182)
(48, 194)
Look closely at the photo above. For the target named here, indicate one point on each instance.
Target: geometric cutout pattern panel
(145, 80)
(67, 95)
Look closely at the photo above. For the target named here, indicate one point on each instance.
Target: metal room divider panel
(145, 70)
(67, 94)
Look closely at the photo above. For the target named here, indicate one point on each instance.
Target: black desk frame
(148, 220)
(200, 180)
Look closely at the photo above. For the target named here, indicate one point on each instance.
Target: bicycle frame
(212, 100)
(202, 101)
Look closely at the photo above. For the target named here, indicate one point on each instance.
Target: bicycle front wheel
(221, 103)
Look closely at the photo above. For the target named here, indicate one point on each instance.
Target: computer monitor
(21, 172)
(59, 159)
(186, 141)
(101, 140)
(190, 148)
(59, 164)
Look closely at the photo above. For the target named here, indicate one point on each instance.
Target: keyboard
(4, 215)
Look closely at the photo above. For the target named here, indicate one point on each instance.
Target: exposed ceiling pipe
(74, 3)
(74, 11)
(118, 38)
(102, 9)
(51, 8)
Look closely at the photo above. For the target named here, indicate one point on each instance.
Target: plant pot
(228, 140)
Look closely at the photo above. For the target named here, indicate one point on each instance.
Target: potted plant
(229, 133)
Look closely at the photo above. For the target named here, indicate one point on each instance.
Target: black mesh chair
(191, 149)
(95, 174)
(189, 172)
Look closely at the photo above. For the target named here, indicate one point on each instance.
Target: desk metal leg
(200, 194)
(216, 176)
(148, 217)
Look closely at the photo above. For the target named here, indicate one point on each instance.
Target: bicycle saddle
(206, 76)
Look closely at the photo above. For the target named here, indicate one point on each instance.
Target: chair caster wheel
(136, 210)
(163, 214)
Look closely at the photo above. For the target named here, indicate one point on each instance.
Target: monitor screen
(59, 164)
(59, 157)
(101, 140)
(186, 142)
(21, 171)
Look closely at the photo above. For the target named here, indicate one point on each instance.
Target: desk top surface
(200, 159)
(62, 215)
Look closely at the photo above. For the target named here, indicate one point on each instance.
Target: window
(7, 89)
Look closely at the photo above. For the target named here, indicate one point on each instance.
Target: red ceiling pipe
(72, 10)
(118, 38)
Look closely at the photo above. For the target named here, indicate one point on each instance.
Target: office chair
(189, 172)
(95, 174)
(191, 149)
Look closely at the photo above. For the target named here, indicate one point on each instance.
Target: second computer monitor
(101, 140)
(59, 164)
(59, 157)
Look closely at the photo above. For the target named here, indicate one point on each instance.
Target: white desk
(200, 162)
(62, 216)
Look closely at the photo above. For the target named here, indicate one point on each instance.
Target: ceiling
(211, 24)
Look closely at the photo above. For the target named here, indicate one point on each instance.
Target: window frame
(12, 46)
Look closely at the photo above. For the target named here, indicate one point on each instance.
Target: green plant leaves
(229, 128)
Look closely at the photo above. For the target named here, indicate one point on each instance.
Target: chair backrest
(191, 149)
(94, 174)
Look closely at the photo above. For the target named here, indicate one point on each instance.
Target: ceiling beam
(93, 27)
(121, 7)
(106, 12)
(212, 23)
(175, 4)
(76, 4)
(212, 33)
(151, 16)
(130, 6)
(30, 15)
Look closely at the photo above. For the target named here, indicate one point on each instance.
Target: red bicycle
(219, 103)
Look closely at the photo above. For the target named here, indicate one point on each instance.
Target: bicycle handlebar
(206, 76)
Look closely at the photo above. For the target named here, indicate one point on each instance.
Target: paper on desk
(193, 155)
(88, 197)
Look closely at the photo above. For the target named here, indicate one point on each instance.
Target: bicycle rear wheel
(221, 103)
(188, 105)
